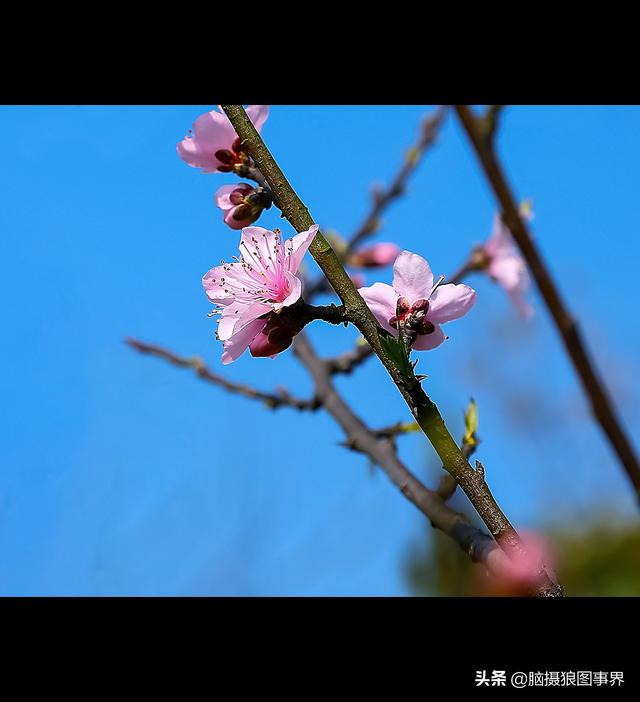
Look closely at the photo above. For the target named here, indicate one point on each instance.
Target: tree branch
(592, 384)
(479, 545)
(271, 400)
(381, 199)
(349, 360)
(423, 409)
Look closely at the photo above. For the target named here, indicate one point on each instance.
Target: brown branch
(477, 261)
(592, 384)
(479, 545)
(429, 128)
(348, 361)
(282, 398)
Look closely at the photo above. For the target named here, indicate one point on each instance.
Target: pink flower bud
(236, 212)
(383, 254)
(518, 573)
(213, 145)
(275, 337)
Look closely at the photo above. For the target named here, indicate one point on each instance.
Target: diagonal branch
(381, 199)
(271, 400)
(479, 545)
(592, 384)
(423, 409)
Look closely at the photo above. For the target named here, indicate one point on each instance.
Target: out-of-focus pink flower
(213, 144)
(263, 280)
(235, 203)
(382, 254)
(357, 279)
(518, 573)
(420, 303)
(505, 264)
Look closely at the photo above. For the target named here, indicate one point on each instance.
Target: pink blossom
(517, 573)
(357, 279)
(382, 254)
(505, 264)
(414, 295)
(238, 211)
(262, 281)
(213, 144)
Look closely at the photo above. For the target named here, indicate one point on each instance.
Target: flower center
(412, 319)
(230, 157)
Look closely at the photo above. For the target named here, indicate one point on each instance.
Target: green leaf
(397, 352)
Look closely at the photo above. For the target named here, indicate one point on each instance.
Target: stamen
(437, 285)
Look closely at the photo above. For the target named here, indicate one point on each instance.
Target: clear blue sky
(122, 475)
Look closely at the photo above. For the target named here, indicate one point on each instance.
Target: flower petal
(381, 299)
(230, 221)
(216, 292)
(191, 153)
(212, 132)
(412, 276)
(524, 308)
(238, 343)
(426, 342)
(450, 302)
(295, 287)
(296, 247)
(237, 315)
(258, 115)
(500, 236)
(510, 271)
(222, 197)
(381, 254)
(257, 245)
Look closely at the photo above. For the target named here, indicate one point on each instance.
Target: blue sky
(123, 475)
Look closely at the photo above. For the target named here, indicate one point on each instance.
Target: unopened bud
(382, 254)
(471, 424)
(276, 336)
(225, 156)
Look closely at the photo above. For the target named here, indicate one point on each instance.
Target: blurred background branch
(273, 400)
(480, 132)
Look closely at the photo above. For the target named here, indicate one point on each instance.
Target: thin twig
(423, 409)
(383, 197)
(348, 361)
(594, 388)
(282, 398)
